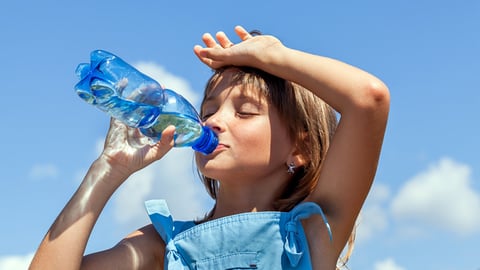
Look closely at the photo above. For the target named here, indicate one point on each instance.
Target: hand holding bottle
(124, 156)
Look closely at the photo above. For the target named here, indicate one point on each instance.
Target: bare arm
(360, 98)
(143, 249)
(351, 162)
(65, 242)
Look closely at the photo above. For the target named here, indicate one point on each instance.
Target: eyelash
(205, 117)
(245, 114)
(240, 114)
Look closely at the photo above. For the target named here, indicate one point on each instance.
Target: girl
(287, 179)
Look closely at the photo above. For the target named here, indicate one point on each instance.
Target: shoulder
(146, 235)
(142, 249)
(147, 242)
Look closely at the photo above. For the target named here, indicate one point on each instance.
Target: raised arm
(64, 244)
(361, 99)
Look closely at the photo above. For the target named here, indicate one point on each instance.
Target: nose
(215, 122)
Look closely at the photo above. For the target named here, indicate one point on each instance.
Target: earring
(291, 168)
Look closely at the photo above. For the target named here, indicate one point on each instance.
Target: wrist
(274, 59)
(103, 170)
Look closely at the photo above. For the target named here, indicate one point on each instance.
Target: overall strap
(161, 218)
(306, 209)
(293, 243)
(163, 222)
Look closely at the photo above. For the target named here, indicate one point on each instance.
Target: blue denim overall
(256, 240)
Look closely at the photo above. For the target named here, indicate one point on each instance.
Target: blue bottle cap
(207, 142)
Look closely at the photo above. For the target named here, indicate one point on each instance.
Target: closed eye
(246, 114)
(205, 117)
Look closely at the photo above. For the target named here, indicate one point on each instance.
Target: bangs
(245, 77)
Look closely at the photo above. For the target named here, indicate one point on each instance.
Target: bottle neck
(207, 142)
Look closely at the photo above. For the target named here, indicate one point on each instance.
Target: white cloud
(171, 178)
(373, 217)
(177, 183)
(130, 196)
(440, 196)
(15, 262)
(43, 171)
(387, 264)
(379, 193)
(372, 220)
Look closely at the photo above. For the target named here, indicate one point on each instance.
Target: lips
(221, 146)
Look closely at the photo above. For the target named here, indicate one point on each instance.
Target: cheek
(256, 137)
(258, 144)
(280, 147)
(280, 142)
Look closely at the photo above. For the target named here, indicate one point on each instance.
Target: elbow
(375, 97)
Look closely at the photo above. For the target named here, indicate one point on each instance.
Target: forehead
(229, 84)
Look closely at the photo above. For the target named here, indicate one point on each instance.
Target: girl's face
(253, 141)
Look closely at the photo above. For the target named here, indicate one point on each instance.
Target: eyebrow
(257, 101)
(208, 99)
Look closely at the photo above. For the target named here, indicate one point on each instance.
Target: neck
(245, 197)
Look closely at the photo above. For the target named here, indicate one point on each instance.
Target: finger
(165, 144)
(209, 40)
(209, 56)
(167, 138)
(242, 33)
(223, 40)
(201, 53)
(197, 49)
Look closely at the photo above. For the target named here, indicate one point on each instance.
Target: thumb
(165, 143)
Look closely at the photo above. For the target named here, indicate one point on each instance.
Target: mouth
(220, 147)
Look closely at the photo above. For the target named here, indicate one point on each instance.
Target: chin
(214, 173)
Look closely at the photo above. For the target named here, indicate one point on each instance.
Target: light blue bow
(163, 223)
(293, 246)
(174, 260)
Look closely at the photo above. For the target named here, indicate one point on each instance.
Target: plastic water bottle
(115, 87)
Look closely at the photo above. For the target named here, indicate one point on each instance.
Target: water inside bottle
(187, 130)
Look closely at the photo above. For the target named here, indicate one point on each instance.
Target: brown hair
(310, 124)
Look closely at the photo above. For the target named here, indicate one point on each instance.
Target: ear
(297, 158)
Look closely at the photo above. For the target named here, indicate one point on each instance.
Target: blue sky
(424, 208)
